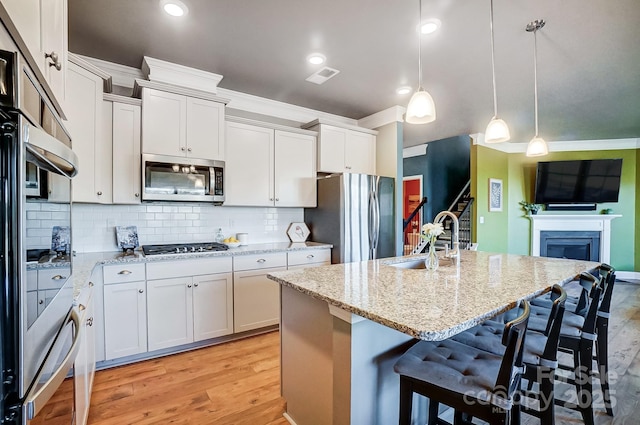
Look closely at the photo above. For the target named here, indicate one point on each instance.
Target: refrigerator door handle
(374, 213)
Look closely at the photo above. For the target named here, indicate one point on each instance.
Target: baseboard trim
(628, 275)
(289, 419)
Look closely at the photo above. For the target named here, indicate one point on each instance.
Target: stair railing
(412, 239)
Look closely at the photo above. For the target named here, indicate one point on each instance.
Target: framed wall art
(495, 195)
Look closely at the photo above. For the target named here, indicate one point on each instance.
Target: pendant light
(497, 130)
(537, 146)
(421, 108)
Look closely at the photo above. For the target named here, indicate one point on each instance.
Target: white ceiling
(588, 57)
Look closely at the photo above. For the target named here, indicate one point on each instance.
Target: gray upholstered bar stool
(577, 335)
(540, 355)
(472, 381)
(608, 278)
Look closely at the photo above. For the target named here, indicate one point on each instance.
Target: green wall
(518, 174)
(492, 235)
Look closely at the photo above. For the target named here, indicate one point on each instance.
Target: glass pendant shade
(537, 147)
(497, 131)
(421, 108)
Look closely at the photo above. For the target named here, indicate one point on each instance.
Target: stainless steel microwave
(170, 178)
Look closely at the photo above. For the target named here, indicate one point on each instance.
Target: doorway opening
(412, 195)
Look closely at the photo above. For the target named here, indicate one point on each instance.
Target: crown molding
(323, 121)
(110, 97)
(87, 65)
(562, 146)
(261, 105)
(384, 117)
(417, 150)
(172, 73)
(249, 121)
(122, 75)
(186, 91)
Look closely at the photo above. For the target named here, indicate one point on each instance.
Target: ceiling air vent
(322, 75)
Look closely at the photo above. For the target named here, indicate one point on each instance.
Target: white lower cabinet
(85, 363)
(185, 309)
(256, 299)
(125, 319)
(310, 258)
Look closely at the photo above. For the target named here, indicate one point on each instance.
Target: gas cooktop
(181, 248)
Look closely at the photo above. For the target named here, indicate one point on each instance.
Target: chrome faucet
(439, 218)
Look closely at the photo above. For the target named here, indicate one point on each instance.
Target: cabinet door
(249, 165)
(85, 363)
(126, 153)
(205, 129)
(331, 145)
(54, 44)
(212, 306)
(295, 170)
(125, 319)
(169, 312)
(360, 153)
(25, 15)
(256, 299)
(164, 120)
(86, 120)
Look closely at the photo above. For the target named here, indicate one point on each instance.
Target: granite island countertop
(84, 263)
(433, 305)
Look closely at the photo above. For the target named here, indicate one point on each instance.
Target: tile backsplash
(93, 225)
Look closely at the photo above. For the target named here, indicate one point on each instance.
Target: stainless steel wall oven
(39, 332)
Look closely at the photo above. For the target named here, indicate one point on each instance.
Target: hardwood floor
(239, 382)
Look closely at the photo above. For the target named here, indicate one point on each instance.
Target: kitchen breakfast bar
(344, 326)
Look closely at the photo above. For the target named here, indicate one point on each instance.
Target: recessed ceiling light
(174, 7)
(316, 58)
(430, 26)
(403, 90)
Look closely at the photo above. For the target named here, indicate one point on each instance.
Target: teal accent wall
(445, 170)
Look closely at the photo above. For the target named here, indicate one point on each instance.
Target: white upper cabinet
(178, 125)
(126, 153)
(42, 24)
(54, 46)
(90, 127)
(295, 170)
(344, 150)
(267, 167)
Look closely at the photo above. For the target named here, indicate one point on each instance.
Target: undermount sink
(413, 264)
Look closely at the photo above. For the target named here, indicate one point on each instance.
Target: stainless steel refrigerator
(355, 213)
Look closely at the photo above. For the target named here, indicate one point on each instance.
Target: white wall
(93, 225)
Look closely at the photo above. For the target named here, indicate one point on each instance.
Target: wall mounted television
(577, 184)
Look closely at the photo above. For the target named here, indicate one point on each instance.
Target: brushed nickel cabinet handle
(261, 261)
(141, 290)
(41, 302)
(189, 149)
(90, 284)
(137, 195)
(58, 277)
(124, 272)
(310, 256)
(99, 193)
(189, 286)
(182, 149)
(195, 284)
(90, 321)
(55, 60)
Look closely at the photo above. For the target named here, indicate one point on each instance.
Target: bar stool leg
(406, 402)
(583, 383)
(602, 356)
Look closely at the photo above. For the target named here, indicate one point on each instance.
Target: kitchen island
(343, 326)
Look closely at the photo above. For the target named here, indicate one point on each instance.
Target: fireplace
(584, 234)
(570, 244)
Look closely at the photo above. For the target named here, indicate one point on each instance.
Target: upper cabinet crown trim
(172, 73)
(340, 125)
(110, 97)
(248, 121)
(185, 91)
(106, 78)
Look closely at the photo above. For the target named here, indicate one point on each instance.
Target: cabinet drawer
(259, 261)
(52, 278)
(119, 273)
(298, 258)
(192, 267)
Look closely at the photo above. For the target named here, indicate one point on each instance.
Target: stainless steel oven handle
(36, 401)
(48, 152)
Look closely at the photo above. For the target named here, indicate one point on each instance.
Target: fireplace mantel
(574, 222)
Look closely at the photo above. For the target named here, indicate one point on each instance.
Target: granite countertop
(84, 263)
(433, 305)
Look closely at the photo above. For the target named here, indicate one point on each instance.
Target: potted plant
(531, 209)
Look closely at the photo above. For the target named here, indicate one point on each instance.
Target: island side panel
(306, 329)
